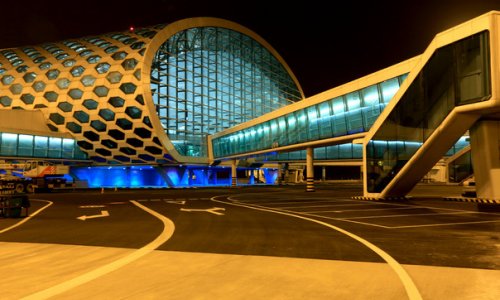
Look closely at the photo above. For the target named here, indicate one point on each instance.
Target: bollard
(102, 190)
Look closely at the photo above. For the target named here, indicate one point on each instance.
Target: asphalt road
(281, 222)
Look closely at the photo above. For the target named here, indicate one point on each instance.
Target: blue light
(147, 176)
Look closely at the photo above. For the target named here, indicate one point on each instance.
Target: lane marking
(213, 210)
(328, 205)
(430, 207)
(302, 201)
(409, 285)
(445, 224)
(366, 209)
(180, 202)
(104, 213)
(30, 216)
(413, 215)
(313, 215)
(168, 231)
(92, 206)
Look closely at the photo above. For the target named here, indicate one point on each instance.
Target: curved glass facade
(352, 113)
(208, 79)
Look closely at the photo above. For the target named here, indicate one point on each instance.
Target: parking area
(377, 214)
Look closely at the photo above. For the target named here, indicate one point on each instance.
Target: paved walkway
(30, 268)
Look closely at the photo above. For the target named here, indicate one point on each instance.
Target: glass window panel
(25, 145)
(292, 128)
(312, 114)
(302, 125)
(320, 153)
(389, 89)
(354, 121)
(41, 146)
(325, 125)
(283, 134)
(345, 151)
(353, 101)
(9, 144)
(68, 146)
(370, 95)
(55, 147)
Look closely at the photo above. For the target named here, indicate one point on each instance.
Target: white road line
(313, 215)
(444, 224)
(168, 230)
(366, 209)
(342, 220)
(409, 285)
(413, 215)
(304, 201)
(311, 206)
(431, 207)
(29, 217)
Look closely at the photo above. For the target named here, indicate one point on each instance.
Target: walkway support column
(233, 172)
(485, 143)
(280, 169)
(309, 169)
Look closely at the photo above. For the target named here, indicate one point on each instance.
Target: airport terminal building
(192, 102)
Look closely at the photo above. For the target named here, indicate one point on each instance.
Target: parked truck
(33, 175)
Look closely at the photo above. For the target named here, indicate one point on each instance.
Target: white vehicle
(35, 174)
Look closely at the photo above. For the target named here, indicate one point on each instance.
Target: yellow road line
(168, 231)
(29, 217)
(409, 285)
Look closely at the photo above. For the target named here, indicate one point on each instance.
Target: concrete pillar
(280, 169)
(309, 169)
(485, 143)
(233, 172)
(323, 173)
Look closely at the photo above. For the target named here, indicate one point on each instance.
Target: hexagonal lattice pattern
(83, 87)
(82, 90)
(93, 89)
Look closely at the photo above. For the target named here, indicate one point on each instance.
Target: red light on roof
(131, 28)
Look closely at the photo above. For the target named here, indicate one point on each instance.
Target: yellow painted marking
(409, 285)
(29, 217)
(168, 231)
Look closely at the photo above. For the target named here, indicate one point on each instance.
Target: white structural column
(234, 162)
(485, 143)
(309, 169)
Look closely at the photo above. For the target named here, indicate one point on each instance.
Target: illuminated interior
(208, 79)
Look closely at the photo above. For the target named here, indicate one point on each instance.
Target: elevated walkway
(453, 88)
(337, 116)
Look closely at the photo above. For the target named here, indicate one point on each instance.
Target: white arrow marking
(213, 210)
(92, 206)
(181, 202)
(104, 213)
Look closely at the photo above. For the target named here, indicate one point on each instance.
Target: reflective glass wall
(208, 79)
(456, 74)
(347, 114)
(25, 145)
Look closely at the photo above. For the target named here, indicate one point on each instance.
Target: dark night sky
(324, 46)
